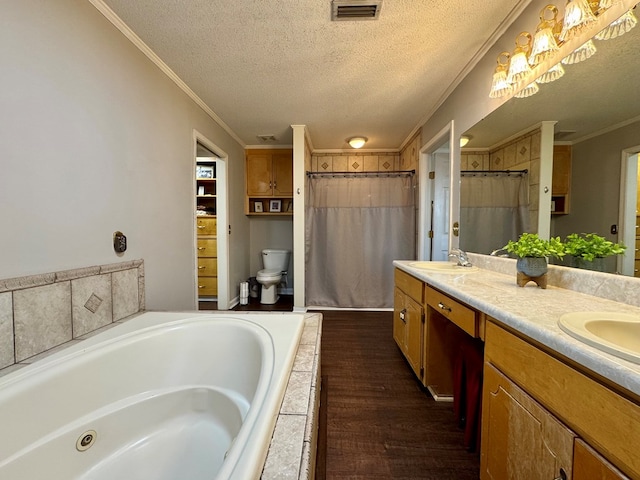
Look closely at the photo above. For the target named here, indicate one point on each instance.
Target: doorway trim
(222, 215)
(427, 157)
(628, 201)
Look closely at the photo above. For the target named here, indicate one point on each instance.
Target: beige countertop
(535, 312)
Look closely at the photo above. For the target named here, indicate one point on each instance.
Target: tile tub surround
(534, 312)
(41, 312)
(292, 452)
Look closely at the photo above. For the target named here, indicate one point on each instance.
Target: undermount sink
(442, 267)
(615, 333)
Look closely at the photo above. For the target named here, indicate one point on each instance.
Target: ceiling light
(552, 74)
(357, 142)
(527, 91)
(464, 139)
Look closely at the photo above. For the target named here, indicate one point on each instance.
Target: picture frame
(200, 189)
(275, 205)
(257, 207)
(205, 171)
(290, 206)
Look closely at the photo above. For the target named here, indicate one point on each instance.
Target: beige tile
(509, 156)
(355, 163)
(7, 354)
(535, 145)
(91, 303)
(285, 454)
(42, 317)
(370, 163)
(496, 160)
(124, 285)
(339, 163)
(523, 150)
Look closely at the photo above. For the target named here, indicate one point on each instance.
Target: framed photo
(257, 207)
(290, 206)
(275, 205)
(205, 171)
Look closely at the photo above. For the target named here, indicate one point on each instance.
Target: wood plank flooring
(376, 422)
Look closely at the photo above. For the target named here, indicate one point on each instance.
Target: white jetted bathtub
(164, 396)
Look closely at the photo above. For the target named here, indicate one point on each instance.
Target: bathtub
(163, 396)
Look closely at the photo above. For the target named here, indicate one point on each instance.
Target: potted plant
(588, 250)
(532, 253)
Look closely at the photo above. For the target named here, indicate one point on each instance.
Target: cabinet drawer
(409, 285)
(206, 226)
(207, 286)
(463, 316)
(207, 247)
(207, 267)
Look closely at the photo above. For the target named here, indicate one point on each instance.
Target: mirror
(596, 105)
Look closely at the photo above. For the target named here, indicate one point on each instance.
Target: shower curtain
(494, 208)
(355, 228)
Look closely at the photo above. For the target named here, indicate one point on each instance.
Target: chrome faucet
(461, 256)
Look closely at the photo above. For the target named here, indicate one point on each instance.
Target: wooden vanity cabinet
(408, 319)
(561, 179)
(207, 248)
(528, 388)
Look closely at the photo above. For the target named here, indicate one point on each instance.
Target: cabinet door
(282, 165)
(520, 439)
(259, 175)
(414, 334)
(561, 180)
(399, 323)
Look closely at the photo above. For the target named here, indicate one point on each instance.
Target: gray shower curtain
(355, 228)
(494, 208)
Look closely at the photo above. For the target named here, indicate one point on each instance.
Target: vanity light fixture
(519, 65)
(583, 21)
(577, 16)
(357, 142)
(499, 86)
(544, 42)
(618, 27)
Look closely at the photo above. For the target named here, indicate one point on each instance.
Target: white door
(440, 204)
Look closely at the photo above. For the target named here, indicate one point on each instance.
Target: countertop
(534, 312)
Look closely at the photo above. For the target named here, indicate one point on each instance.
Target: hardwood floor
(376, 422)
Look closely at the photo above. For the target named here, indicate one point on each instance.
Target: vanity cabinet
(269, 174)
(408, 319)
(535, 404)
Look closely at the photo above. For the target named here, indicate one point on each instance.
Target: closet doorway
(211, 263)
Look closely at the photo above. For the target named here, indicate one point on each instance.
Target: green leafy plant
(590, 246)
(531, 245)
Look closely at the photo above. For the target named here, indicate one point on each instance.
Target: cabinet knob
(201, 248)
(200, 226)
(201, 268)
(562, 475)
(403, 312)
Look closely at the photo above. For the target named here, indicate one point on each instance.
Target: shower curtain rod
(377, 174)
(487, 172)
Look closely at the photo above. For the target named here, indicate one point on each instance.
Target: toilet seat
(268, 273)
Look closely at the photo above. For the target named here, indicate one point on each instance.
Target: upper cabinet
(561, 182)
(269, 182)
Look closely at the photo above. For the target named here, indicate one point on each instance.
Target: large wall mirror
(596, 107)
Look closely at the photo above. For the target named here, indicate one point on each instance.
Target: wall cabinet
(269, 185)
(522, 384)
(561, 180)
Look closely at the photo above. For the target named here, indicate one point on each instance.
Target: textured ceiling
(262, 66)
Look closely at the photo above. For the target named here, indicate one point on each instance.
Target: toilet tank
(273, 259)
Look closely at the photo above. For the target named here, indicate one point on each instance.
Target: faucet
(463, 259)
(496, 252)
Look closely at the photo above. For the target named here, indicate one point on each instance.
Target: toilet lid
(269, 273)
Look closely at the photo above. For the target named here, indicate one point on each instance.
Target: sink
(442, 267)
(615, 333)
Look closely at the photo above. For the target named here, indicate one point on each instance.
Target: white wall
(94, 138)
(270, 232)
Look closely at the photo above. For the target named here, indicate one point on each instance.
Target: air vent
(355, 9)
(267, 138)
(562, 134)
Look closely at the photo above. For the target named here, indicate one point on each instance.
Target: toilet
(275, 263)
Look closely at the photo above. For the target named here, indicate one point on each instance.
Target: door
(441, 194)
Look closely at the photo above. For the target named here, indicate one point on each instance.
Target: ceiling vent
(562, 134)
(355, 9)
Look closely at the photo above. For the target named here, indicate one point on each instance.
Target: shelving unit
(206, 229)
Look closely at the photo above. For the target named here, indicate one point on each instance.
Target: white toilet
(275, 263)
